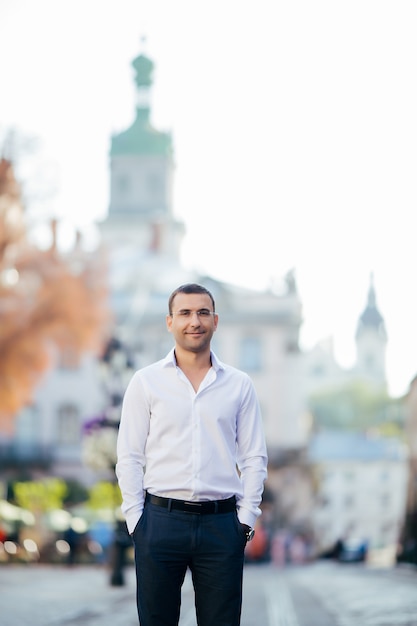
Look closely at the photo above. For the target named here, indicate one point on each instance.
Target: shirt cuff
(132, 520)
(246, 517)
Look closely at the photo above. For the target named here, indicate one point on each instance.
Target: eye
(203, 313)
(184, 313)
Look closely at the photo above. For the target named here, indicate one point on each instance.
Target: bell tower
(141, 236)
(141, 175)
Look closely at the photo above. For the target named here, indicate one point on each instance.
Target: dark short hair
(189, 288)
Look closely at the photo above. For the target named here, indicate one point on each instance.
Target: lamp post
(99, 451)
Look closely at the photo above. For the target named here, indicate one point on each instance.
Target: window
(250, 358)
(155, 185)
(27, 425)
(123, 184)
(385, 500)
(68, 424)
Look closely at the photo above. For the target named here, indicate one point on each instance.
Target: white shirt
(177, 443)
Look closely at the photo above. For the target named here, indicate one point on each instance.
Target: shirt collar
(170, 360)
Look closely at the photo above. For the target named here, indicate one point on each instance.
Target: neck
(197, 360)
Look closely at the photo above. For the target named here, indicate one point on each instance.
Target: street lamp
(99, 450)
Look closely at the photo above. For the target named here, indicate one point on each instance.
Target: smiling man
(191, 468)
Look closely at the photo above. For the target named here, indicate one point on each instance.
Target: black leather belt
(201, 508)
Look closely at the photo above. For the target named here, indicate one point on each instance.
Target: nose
(195, 316)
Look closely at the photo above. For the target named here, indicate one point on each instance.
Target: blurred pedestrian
(297, 550)
(191, 467)
(73, 539)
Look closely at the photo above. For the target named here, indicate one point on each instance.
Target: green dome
(141, 138)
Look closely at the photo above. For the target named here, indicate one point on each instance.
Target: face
(192, 332)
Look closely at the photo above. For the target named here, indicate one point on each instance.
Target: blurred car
(353, 550)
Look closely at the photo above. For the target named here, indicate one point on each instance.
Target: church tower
(141, 173)
(141, 235)
(371, 341)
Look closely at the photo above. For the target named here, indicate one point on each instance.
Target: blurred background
(266, 151)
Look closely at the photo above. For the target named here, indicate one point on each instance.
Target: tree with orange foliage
(48, 303)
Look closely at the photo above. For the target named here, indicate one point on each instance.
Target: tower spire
(143, 67)
(371, 317)
(371, 340)
(371, 292)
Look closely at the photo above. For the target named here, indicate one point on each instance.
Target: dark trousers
(167, 542)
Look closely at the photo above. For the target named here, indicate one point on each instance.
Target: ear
(215, 321)
(169, 322)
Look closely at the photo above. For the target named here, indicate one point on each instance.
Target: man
(191, 467)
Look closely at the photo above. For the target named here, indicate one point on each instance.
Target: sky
(295, 138)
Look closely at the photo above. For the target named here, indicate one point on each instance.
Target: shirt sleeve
(131, 442)
(252, 455)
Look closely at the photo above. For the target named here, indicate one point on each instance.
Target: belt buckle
(192, 503)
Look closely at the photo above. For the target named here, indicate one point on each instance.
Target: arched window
(250, 356)
(68, 424)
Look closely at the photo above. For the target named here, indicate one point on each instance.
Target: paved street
(320, 594)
